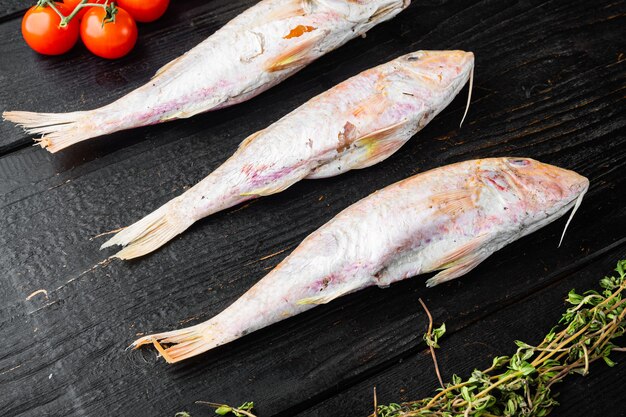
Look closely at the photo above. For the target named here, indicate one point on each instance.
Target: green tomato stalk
(109, 17)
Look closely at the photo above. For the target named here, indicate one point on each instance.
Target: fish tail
(151, 232)
(59, 130)
(185, 343)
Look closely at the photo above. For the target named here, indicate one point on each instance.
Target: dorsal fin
(454, 202)
(289, 9)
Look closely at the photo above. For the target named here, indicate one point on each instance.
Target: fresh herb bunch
(521, 385)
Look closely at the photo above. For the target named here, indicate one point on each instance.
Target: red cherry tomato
(144, 10)
(41, 31)
(71, 5)
(111, 40)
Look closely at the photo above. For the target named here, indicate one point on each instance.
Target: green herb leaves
(244, 409)
(432, 338)
(223, 410)
(521, 385)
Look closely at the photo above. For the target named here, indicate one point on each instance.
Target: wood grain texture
(549, 85)
(13, 9)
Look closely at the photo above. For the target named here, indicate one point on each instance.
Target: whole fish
(355, 124)
(253, 52)
(448, 219)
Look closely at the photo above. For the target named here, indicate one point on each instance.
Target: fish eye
(518, 162)
(413, 58)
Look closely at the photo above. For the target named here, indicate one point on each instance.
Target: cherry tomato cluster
(107, 29)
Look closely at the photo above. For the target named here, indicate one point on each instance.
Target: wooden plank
(13, 9)
(473, 347)
(554, 92)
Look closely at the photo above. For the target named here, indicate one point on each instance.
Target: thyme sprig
(431, 337)
(244, 409)
(521, 385)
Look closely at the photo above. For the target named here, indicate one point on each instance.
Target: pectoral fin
(461, 260)
(459, 268)
(462, 252)
(298, 55)
(361, 152)
(379, 145)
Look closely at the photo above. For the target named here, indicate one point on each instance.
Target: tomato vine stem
(110, 9)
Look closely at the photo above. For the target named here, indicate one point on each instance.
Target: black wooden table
(549, 84)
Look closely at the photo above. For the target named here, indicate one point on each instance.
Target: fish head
(548, 185)
(441, 70)
(535, 191)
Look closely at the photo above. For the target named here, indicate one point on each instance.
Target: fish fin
(244, 144)
(322, 299)
(462, 252)
(269, 190)
(149, 233)
(291, 9)
(373, 105)
(379, 145)
(58, 130)
(458, 268)
(454, 202)
(185, 114)
(332, 292)
(186, 343)
(361, 152)
(296, 56)
(167, 66)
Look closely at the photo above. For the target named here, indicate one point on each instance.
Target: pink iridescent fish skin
(448, 219)
(354, 125)
(247, 56)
